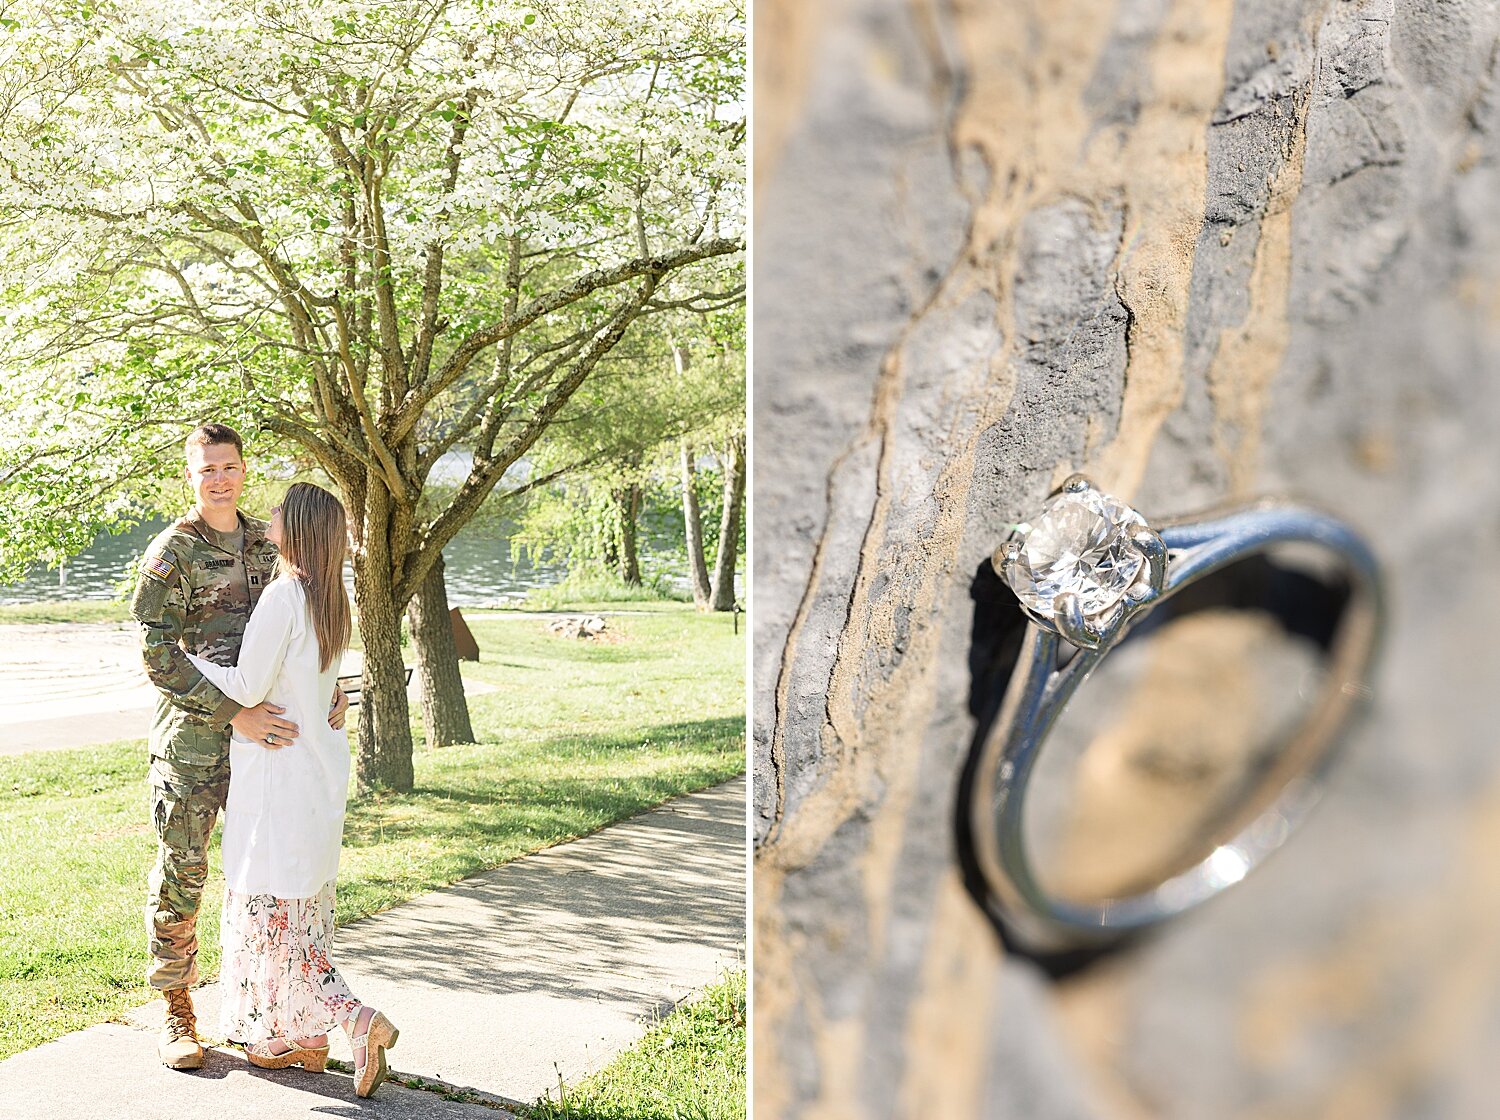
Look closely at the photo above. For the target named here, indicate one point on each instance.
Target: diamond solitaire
(1084, 563)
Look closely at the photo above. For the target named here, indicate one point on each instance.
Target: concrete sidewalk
(78, 684)
(71, 684)
(542, 969)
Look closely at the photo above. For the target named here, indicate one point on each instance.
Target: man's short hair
(206, 435)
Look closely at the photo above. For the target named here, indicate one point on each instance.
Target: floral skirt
(276, 978)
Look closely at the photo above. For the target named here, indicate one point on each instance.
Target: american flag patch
(160, 567)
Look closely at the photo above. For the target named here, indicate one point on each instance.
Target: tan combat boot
(179, 1047)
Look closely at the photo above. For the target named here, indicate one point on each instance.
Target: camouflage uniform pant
(185, 802)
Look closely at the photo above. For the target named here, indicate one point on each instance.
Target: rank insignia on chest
(254, 579)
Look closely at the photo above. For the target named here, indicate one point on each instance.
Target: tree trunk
(732, 459)
(628, 510)
(692, 518)
(384, 736)
(445, 708)
(1196, 251)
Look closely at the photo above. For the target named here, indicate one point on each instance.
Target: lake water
(480, 569)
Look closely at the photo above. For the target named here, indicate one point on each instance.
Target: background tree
(381, 234)
(722, 341)
(680, 386)
(731, 455)
(692, 514)
(1199, 250)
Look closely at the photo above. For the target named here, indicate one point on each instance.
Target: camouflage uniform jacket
(194, 593)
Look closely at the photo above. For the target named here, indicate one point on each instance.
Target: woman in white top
(284, 820)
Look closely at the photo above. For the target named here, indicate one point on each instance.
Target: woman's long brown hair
(314, 539)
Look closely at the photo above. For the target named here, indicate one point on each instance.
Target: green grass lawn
(690, 1066)
(74, 610)
(577, 734)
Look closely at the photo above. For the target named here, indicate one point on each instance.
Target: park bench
(349, 684)
(468, 650)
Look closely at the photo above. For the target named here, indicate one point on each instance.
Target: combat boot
(179, 1048)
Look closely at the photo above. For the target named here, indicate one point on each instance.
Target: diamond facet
(1081, 545)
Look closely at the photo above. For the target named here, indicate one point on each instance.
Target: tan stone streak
(897, 706)
(780, 977)
(847, 784)
(774, 991)
(790, 853)
(857, 745)
(951, 1014)
(1093, 1009)
(844, 771)
(786, 35)
(1352, 983)
(848, 778)
(840, 1046)
(1249, 355)
(1164, 165)
(888, 752)
(1027, 67)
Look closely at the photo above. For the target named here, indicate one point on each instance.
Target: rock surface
(1198, 251)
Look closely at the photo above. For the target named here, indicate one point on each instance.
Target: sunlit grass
(596, 588)
(689, 1066)
(71, 610)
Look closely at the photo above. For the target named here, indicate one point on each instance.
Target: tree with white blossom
(380, 232)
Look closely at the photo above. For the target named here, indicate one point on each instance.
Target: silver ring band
(1039, 690)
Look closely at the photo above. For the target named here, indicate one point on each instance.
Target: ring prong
(1155, 551)
(1076, 483)
(1109, 627)
(1004, 556)
(1067, 615)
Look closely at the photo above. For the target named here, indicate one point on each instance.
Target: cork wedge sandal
(262, 1056)
(380, 1035)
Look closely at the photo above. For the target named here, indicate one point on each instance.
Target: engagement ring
(1091, 573)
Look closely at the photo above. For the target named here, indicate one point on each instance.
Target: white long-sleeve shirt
(284, 821)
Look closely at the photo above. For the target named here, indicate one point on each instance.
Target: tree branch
(432, 276)
(487, 471)
(410, 409)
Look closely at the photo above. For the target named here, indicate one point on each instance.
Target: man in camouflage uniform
(198, 583)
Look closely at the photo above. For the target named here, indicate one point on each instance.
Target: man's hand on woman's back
(262, 720)
(339, 710)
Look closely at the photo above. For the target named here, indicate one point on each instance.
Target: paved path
(542, 968)
(71, 684)
(77, 684)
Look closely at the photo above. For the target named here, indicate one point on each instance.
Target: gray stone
(1213, 250)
